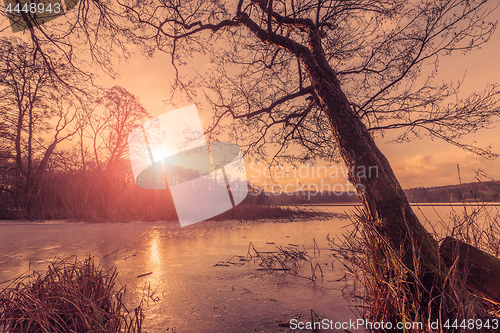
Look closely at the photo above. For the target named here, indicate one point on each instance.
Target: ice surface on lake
(185, 291)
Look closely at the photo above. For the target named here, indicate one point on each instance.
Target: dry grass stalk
(71, 296)
(287, 259)
(393, 293)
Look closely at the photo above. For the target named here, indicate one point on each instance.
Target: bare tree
(37, 115)
(117, 113)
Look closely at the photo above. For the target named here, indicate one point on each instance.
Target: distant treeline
(90, 195)
(310, 198)
(470, 192)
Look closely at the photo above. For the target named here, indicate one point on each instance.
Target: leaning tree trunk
(381, 195)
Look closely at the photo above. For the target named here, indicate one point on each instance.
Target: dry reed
(393, 293)
(71, 296)
(288, 259)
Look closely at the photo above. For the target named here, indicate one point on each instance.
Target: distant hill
(472, 192)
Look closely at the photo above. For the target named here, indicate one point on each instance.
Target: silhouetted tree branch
(38, 114)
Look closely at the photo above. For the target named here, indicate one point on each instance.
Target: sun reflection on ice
(154, 280)
(155, 258)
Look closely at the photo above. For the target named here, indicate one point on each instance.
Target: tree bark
(482, 270)
(381, 194)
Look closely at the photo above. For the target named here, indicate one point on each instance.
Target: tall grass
(71, 296)
(393, 293)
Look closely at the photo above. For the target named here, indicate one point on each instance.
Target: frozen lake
(187, 293)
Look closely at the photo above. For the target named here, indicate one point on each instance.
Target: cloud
(434, 170)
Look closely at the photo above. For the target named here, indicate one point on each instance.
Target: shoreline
(430, 204)
(283, 219)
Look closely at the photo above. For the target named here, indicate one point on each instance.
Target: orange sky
(422, 162)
